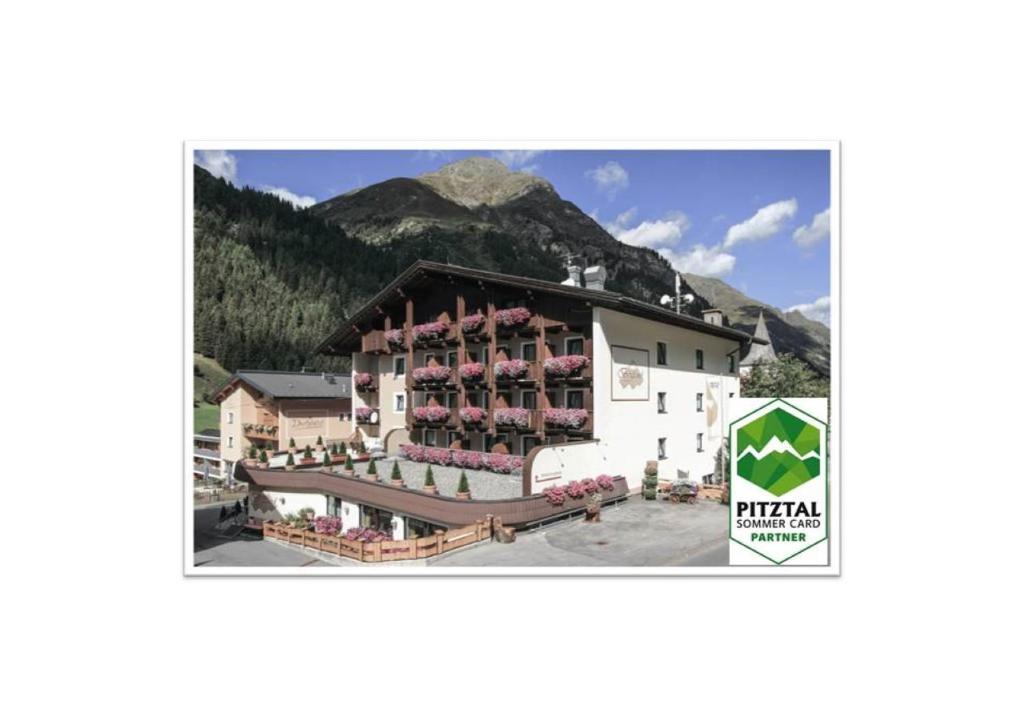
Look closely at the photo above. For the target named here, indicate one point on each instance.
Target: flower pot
(289, 467)
(262, 465)
(373, 478)
(398, 483)
(430, 489)
(462, 496)
(336, 459)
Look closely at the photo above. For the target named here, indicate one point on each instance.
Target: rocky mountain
(791, 332)
(478, 213)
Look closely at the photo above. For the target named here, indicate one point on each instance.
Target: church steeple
(757, 352)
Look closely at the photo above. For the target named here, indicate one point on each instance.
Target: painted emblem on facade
(631, 377)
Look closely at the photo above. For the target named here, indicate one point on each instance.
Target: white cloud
(701, 260)
(518, 159)
(763, 224)
(818, 230)
(649, 233)
(820, 309)
(609, 178)
(299, 201)
(220, 163)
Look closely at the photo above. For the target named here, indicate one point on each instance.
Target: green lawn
(206, 416)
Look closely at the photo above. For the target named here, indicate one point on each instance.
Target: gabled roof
(291, 385)
(763, 352)
(344, 339)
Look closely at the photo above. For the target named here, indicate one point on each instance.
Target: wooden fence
(385, 550)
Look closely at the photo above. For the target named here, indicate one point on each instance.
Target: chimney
(714, 316)
(574, 279)
(594, 276)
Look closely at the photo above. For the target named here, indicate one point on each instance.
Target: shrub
(511, 369)
(565, 365)
(290, 460)
(575, 490)
(252, 452)
(415, 453)
(471, 371)
(517, 417)
(342, 450)
(327, 458)
(472, 415)
(429, 332)
(463, 482)
(371, 469)
(307, 454)
(396, 472)
(362, 381)
(429, 480)
(348, 463)
(570, 418)
(263, 456)
(431, 413)
(395, 338)
(439, 373)
(473, 323)
(327, 524)
(590, 486)
(512, 317)
(320, 440)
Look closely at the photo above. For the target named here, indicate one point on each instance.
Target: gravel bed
(483, 484)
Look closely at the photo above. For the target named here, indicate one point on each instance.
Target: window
(574, 399)
(486, 397)
(231, 418)
(708, 479)
(732, 363)
(400, 402)
(574, 346)
(732, 394)
(231, 441)
(452, 401)
(662, 354)
(662, 452)
(700, 402)
(399, 366)
(486, 354)
(529, 443)
(661, 403)
(453, 359)
(700, 442)
(430, 437)
(529, 351)
(529, 399)
(700, 359)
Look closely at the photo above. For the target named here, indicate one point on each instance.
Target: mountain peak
(479, 181)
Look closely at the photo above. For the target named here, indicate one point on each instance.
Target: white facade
(691, 428)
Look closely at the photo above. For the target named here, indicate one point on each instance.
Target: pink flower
(606, 482)
(428, 332)
(569, 418)
(471, 371)
(363, 380)
(467, 459)
(517, 417)
(511, 369)
(363, 414)
(512, 317)
(327, 524)
(472, 415)
(432, 374)
(473, 323)
(565, 365)
(366, 535)
(431, 413)
(555, 495)
(437, 456)
(395, 338)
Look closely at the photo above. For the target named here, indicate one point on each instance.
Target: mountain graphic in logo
(778, 452)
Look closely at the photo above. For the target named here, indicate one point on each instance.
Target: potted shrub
(308, 513)
(327, 459)
(289, 464)
(251, 460)
(291, 446)
(337, 455)
(371, 471)
(319, 443)
(263, 463)
(428, 483)
(348, 464)
(396, 476)
(307, 456)
(463, 492)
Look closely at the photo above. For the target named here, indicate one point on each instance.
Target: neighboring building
(760, 352)
(269, 409)
(655, 386)
(206, 463)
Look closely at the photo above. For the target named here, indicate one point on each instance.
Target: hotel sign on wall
(631, 373)
(305, 425)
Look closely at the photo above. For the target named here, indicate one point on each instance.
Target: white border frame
(835, 293)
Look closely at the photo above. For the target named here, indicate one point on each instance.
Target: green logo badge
(778, 452)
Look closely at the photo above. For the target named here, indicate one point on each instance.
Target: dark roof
(600, 298)
(293, 385)
(209, 433)
(765, 352)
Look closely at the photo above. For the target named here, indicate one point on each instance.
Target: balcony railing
(375, 343)
(517, 372)
(433, 416)
(522, 420)
(568, 421)
(471, 380)
(434, 376)
(259, 432)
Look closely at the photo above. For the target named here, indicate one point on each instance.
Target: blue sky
(758, 219)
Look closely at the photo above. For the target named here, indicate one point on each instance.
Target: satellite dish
(665, 299)
(688, 298)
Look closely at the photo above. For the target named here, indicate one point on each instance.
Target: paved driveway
(636, 533)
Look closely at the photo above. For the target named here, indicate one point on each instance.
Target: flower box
(508, 370)
(512, 318)
(433, 414)
(565, 366)
(467, 459)
(472, 415)
(473, 372)
(364, 415)
(473, 324)
(567, 418)
(395, 339)
(363, 381)
(431, 375)
(512, 417)
(430, 332)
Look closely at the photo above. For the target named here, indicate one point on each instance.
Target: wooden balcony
(587, 428)
(585, 376)
(256, 431)
(374, 343)
(483, 381)
(534, 421)
(534, 373)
